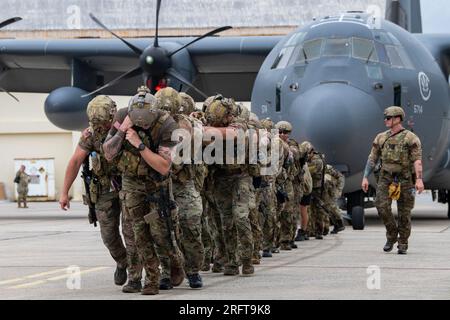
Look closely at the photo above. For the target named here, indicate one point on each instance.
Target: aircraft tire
(358, 218)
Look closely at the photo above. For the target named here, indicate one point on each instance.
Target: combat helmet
(306, 147)
(267, 124)
(218, 112)
(187, 104)
(101, 109)
(244, 113)
(168, 99)
(394, 111)
(210, 99)
(284, 126)
(141, 108)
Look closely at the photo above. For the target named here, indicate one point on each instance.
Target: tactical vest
(103, 171)
(233, 168)
(395, 153)
(131, 163)
(181, 173)
(254, 169)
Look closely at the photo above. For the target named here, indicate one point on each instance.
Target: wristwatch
(141, 147)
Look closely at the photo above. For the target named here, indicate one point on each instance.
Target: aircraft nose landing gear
(355, 210)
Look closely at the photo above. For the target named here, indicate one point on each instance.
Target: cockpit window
(295, 39)
(283, 58)
(285, 54)
(364, 49)
(310, 50)
(337, 47)
(398, 57)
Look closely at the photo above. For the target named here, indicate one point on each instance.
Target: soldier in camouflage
(285, 185)
(316, 166)
(268, 200)
(185, 187)
(104, 190)
(398, 152)
(22, 186)
(234, 178)
(334, 184)
(141, 140)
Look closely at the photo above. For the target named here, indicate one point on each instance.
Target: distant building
(136, 18)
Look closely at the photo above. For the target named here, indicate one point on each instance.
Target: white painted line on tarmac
(80, 273)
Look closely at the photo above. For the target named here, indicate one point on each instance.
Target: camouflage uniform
(142, 186)
(316, 166)
(105, 196)
(397, 154)
(22, 188)
(104, 189)
(185, 192)
(232, 184)
(334, 184)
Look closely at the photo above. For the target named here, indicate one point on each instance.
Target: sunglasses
(388, 118)
(284, 132)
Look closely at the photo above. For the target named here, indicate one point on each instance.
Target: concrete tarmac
(46, 253)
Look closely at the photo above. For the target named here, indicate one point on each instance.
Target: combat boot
(388, 246)
(325, 231)
(338, 227)
(217, 268)
(300, 235)
(247, 268)
(195, 281)
(319, 236)
(293, 245)
(165, 284)
(150, 289)
(306, 236)
(285, 246)
(402, 248)
(267, 254)
(132, 287)
(275, 250)
(231, 270)
(120, 276)
(176, 275)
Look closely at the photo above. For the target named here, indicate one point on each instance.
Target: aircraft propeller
(154, 61)
(4, 24)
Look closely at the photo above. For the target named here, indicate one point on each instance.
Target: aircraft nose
(338, 119)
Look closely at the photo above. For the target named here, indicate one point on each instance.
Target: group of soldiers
(180, 218)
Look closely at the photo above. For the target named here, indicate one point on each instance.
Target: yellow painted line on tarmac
(11, 281)
(78, 273)
(35, 283)
(32, 276)
(37, 275)
(29, 284)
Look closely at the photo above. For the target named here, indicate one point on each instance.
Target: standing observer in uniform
(398, 152)
(22, 179)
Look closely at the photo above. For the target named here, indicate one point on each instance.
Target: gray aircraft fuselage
(332, 80)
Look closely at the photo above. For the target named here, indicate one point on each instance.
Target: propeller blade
(158, 7)
(200, 38)
(132, 47)
(10, 94)
(171, 72)
(127, 75)
(9, 21)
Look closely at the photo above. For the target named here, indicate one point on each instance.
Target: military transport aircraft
(332, 79)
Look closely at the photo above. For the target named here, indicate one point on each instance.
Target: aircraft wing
(222, 64)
